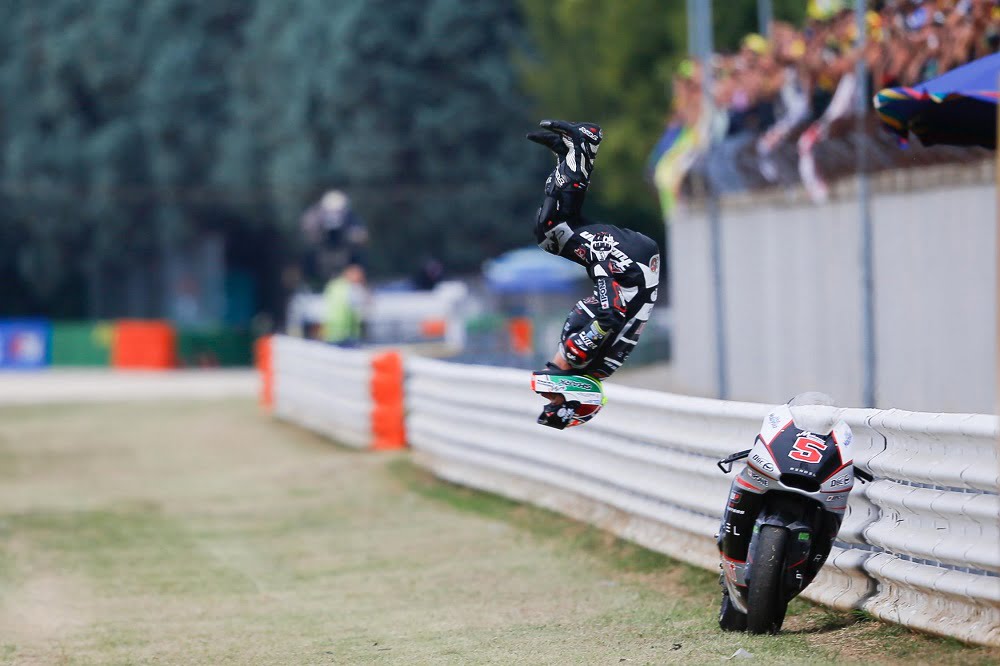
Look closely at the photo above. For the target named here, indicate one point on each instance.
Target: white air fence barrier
(323, 388)
(920, 546)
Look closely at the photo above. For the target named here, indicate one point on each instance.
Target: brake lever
(863, 475)
(728, 462)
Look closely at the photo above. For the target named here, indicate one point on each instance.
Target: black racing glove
(581, 348)
(575, 146)
(609, 316)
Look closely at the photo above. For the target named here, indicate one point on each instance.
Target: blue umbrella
(957, 108)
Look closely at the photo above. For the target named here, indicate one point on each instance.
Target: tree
(412, 108)
(611, 63)
(733, 19)
(138, 126)
(105, 151)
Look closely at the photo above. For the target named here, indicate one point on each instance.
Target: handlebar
(863, 475)
(726, 465)
(728, 462)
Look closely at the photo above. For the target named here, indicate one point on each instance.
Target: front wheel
(765, 600)
(730, 618)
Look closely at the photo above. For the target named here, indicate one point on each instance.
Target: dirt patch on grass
(859, 637)
(40, 606)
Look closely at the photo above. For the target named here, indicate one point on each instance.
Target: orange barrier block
(262, 361)
(388, 419)
(520, 332)
(433, 328)
(143, 344)
(388, 429)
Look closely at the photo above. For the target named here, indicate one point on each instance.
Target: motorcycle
(784, 511)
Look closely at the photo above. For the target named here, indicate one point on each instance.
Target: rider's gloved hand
(609, 316)
(575, 146)
(581, 347)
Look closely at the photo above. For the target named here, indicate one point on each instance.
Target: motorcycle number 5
(807, 450)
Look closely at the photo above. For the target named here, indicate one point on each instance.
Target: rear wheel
(765, 600)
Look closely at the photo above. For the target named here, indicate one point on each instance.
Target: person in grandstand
(602, 329)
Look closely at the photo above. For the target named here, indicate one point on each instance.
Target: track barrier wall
(265, 368)
(25, 343)
(388, 409)
(81, 343)
(353, 396)
(129, 344)
(139, 344)
(920, 546)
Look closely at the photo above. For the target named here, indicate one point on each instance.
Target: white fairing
(842, 433)
(760, 458)
(775, 422)
(763, 472)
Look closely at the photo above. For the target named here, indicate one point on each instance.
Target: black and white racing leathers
(602, 329)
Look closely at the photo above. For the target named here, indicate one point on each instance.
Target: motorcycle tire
(765, 601)
(730, 618)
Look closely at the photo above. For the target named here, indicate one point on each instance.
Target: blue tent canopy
(531, 270)
(956, 108)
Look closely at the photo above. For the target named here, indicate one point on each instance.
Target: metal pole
(713, 209)
(691, 13)
(721, 352)
(765, 15)
(869, 361)
(701, 28)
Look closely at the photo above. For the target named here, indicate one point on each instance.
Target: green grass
(618, 553)
(133, 548)
(188, 533)
(888, 643)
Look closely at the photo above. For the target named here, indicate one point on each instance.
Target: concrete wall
(793, 294)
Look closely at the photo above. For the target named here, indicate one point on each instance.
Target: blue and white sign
(25, 343)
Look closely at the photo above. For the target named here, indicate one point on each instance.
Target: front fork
(735, 534)
(811, 534)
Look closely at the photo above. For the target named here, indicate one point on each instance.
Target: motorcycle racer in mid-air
(602, 329)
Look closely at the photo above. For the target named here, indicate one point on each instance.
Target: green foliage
(129, 128)
(733, 19)
(612, 62)
(117, 114)
(137, 126)
(609, 62)
(618, 553)
(430, 132)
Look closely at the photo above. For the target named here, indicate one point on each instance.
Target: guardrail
(920, 546)
(352, 396)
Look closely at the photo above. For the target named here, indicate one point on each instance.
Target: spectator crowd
(804, 79)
